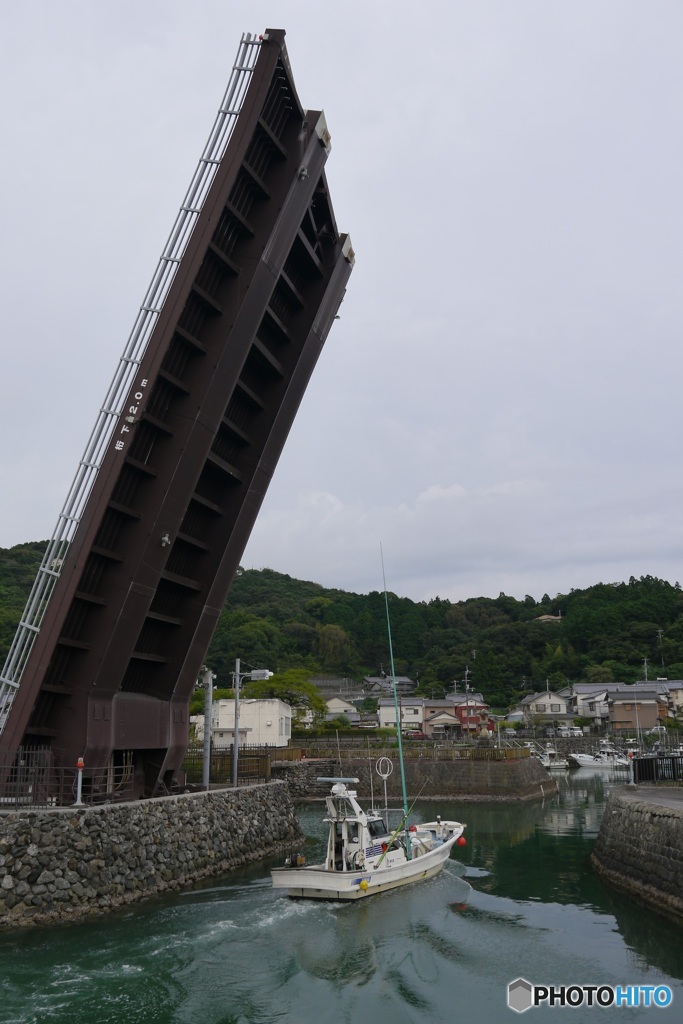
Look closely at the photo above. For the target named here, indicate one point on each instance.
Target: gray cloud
(499, 402)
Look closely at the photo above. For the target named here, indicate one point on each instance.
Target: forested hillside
(274, 621)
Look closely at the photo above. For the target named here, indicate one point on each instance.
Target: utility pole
(255, 674)
(207, 681)
(467, 699)
(236, 734)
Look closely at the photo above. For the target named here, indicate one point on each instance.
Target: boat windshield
(377, 828)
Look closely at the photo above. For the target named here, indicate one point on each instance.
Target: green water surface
(518, 900)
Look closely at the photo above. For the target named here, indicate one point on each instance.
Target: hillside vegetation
(270, 620)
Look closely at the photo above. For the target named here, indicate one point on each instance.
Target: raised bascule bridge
(126, 600)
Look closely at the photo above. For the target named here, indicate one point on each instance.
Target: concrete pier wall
(459, 779)
(65, 863)
(639, 848)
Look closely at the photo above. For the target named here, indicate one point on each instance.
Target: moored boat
(548, 756)
(363, 856)
(606, 757)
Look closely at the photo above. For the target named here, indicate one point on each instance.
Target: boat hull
(320, 883)
(598, 762)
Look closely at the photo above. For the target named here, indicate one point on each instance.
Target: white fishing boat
(363, 856)
(550, 758)
(607, 757)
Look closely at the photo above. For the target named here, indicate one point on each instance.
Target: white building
(589, 700)
(412, 713)
(545, 708)
(266, 722)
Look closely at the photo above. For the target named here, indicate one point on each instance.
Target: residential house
(472, 713)
(337, 706)
(669, 690)
(674, 689)
(544, 708)
(377, 685)
(635, 707)
(266, 722)
(441, 721)
(412, 713)
(589, 700)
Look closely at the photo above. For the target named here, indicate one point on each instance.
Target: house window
(554, 707)
(540, 707)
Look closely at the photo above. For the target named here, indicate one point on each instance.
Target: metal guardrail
(663, 768)
(253, 764)
(31, 780)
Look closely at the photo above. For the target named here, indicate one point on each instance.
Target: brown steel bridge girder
(113, 666)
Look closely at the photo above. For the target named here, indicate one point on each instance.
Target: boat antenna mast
(396, 708)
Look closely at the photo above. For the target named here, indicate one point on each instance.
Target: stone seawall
(65, 863)
(639, 848)
(461, 779)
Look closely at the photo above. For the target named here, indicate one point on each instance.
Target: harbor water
(520, 900)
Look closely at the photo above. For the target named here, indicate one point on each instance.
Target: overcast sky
(500, 403)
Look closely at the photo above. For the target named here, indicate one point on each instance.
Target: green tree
(293, 687)
(599, 674)
(334, 647)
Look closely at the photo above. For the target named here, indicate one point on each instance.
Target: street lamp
(254, 675)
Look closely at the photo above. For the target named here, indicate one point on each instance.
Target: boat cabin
(354, 836)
